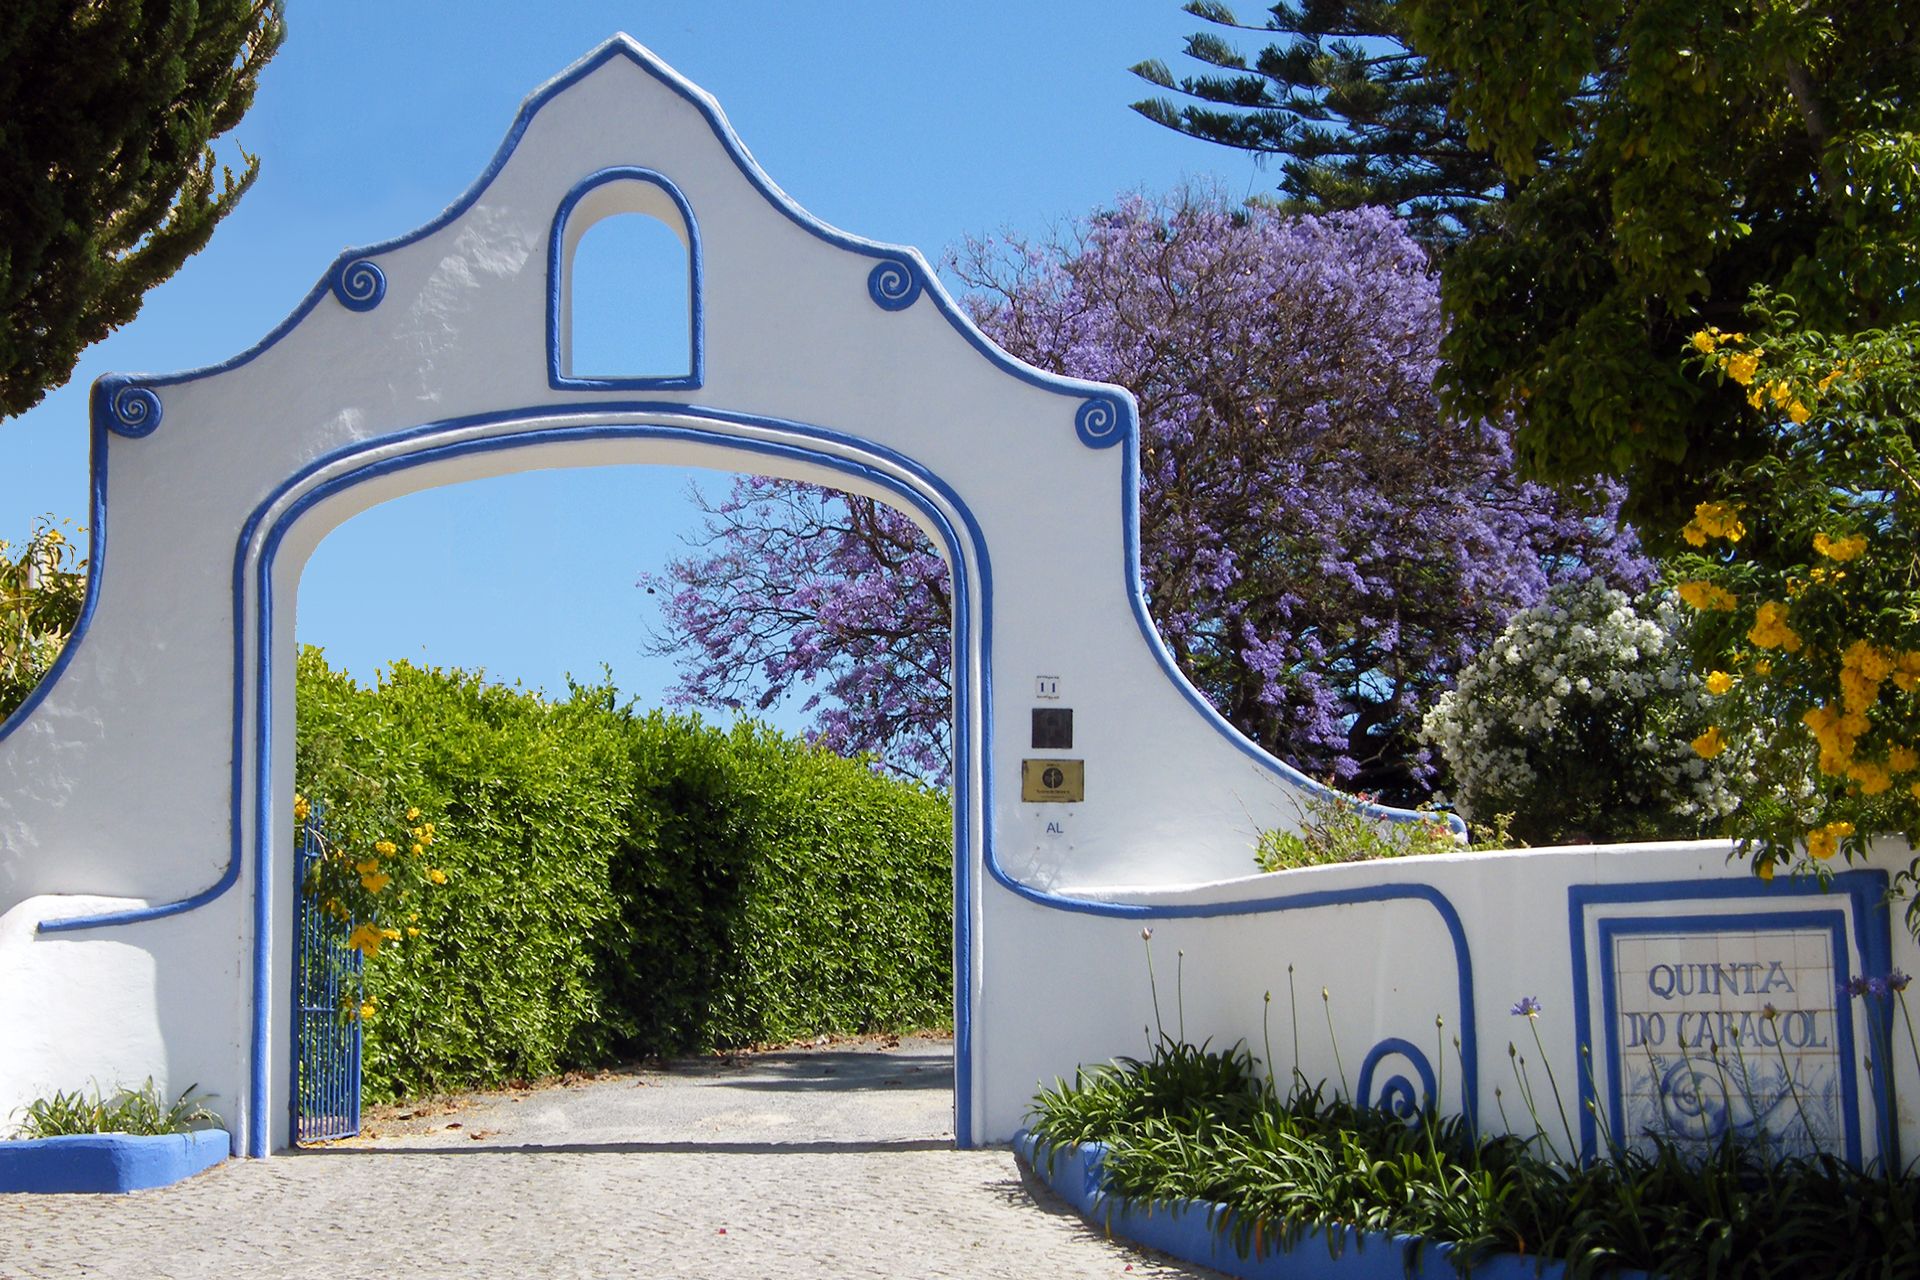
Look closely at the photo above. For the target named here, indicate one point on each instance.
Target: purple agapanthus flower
(1528, 1007)
(1898, 980)
(1853, 987)
(1877, 987)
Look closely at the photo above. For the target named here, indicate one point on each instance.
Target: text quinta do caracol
(1703, 1028)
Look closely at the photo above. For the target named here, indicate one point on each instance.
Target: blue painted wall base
(1196, 1231)
(109, 1163)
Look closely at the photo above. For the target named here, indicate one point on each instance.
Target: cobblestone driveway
(818, 1163)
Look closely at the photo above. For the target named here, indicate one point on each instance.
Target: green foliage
(43, 586)
(1334, 829)
(107, 110)
(1806, 588)
(771, 890)
(1284, 1166)
(142, 1111)
(1358, 116)
(1667, 157)
(620, 885)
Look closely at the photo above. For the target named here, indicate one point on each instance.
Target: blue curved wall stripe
(557, 270)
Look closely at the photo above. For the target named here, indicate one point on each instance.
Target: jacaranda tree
(1322, 547)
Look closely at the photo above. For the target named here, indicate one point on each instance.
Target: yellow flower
(1798, 413)
(436, 875)
(1757, 397)
(1770, 629)
(1780, 393)
(1718, 682)
(1710, 744)
(1704, 341)
(391, 935)
(1839, 548)
(1742, 367)
(412, 932)
(1764, 868)
(1872, 778)
(366, 939)
(1903, 759)
(1820, 845)
(386, 848)
(375, 881)
(418, 848)
(413, 814)
(1707, 596)
(366, 1010)
(1763, 667)
(1714, 520)
(300, 807)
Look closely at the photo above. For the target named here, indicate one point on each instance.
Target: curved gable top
(620, 83)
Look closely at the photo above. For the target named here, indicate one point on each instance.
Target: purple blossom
(1527, 1007)
(1321, 545)
(1856, 986)
(1897, 980)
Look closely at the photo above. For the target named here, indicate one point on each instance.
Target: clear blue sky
(910, 123)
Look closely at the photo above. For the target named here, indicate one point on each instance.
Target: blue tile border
(1863, 895)
(109, 1163)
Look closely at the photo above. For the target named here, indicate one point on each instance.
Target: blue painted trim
(894, 284)
(109, 1163)
(358, 284)
(125, 406)
(558, 271)
(1399, 1085)
(1833, 922)
(1866, 891)
(1101, 421)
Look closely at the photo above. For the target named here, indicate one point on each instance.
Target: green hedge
(620, 885)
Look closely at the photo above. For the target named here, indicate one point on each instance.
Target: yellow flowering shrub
(1802, 574)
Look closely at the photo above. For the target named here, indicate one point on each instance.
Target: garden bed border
(109, 1163)
(1197, 1231)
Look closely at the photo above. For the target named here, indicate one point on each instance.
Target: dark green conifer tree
(1358, 117)
(108, 181)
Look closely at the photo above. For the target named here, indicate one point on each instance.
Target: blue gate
(326, 1018)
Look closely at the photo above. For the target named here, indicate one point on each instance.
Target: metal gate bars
(326, 1012)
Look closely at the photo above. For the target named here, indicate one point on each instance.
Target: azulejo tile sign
(1728, 1031)
(1708, 1011)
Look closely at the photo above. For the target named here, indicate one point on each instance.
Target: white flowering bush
(1578, 721)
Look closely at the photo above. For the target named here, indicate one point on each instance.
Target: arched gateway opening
(292, 522)
(145, 866)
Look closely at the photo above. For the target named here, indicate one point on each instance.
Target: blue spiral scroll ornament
(893, 285)
(1100, 422)
(1399, 1094)
(359, 284)
(132, 411)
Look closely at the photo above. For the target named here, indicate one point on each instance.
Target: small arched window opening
(624, 285)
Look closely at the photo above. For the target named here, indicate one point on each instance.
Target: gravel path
(834, 1161)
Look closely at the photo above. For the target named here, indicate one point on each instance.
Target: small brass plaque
(1053, 781)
